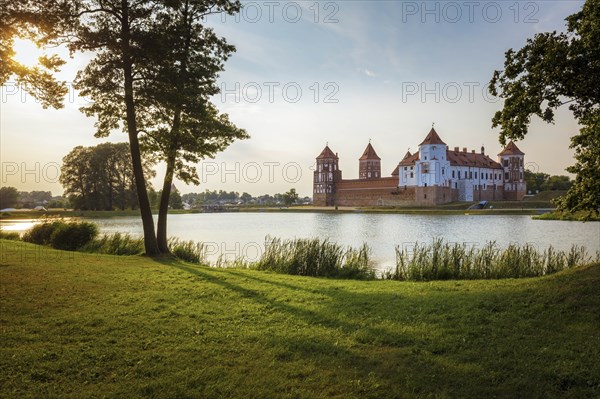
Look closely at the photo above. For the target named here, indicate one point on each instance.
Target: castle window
(506, 176)
(456, 185)
(443, 171)
(453, 174)
(506, 163)
(459, 174)
(476, 175)
(405, 168)
(425, 195)
(521, 175)
(411, 168)
(470, 175)
(412, 175)
(426, 157)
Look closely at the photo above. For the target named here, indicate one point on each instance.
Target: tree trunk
(150, 244)
(163, 208)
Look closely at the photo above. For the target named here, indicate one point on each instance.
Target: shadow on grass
(436, 343)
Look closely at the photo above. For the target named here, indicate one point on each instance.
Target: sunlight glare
(27, 52)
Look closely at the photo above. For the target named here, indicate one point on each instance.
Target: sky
(311, 73)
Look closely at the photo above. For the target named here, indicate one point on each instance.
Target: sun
(27, 53)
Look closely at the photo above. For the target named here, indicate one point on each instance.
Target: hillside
(78, 325)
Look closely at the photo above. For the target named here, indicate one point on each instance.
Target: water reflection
(243, 234)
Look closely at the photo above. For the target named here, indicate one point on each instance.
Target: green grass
(577, 216)
(76, 325)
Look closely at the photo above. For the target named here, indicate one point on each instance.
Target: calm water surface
(243, 234)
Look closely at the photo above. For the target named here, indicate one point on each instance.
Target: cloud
(369, 73)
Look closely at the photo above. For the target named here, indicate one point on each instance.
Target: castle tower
(369, 166)
(326, 175)
(513, 164)
(432, 168)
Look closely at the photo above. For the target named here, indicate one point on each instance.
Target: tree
(154, 68)
(551, 70)
(543, 182)
(120, 34)
(245, 198)
(290, 197)
(101, 177)
(9, 196)
(555, 183)
(175, 201)
(184, 126)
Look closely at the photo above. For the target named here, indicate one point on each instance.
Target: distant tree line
(215, 197)
(101, 177)
(538, 182)
(10, 197)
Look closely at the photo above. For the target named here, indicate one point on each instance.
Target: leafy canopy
(551, 70)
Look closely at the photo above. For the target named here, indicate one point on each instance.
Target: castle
(433, 175)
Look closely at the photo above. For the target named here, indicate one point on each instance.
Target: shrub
(40, 233)
(73, 235)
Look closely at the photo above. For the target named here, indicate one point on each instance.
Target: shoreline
(19, 215)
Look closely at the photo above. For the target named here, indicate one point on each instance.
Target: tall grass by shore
(316, 258)
(444, 261)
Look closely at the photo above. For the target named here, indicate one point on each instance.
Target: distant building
(431, 176)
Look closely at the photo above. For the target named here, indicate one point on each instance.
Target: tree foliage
(290, 197)
(538, 181)
(551, 70)
(175, 201)
(41, 22)
(9, 196)
(101, 177)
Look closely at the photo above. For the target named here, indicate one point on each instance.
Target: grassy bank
(578, 216)
(85, 325)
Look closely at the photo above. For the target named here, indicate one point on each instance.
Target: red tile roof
(409, 159)
(432, 138)
(369, 153)
(458, 158)
(511, 149)
(327, 154)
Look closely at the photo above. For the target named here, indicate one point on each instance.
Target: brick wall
(489, 194)
(434, 195)
(375, 192)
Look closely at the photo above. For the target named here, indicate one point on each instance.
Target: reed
(116, 244)
(316, 258)
(444, 261)
(188, 251)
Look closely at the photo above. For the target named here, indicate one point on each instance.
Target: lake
(243, 234)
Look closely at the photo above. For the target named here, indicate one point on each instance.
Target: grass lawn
(79, 325)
